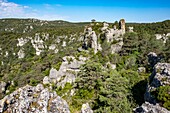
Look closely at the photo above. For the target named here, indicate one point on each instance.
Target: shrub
(33, 82)
(164, 96)
(57, 66)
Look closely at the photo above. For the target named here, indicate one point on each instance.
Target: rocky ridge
(29, 99)
(159, 77)
(91, 40)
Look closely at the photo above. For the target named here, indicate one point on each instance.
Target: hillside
(95, 66)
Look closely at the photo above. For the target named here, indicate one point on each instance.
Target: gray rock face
(52, 47)
(130, 29)
(116, 47)
(111, 35)
(66, 73)
(90, 39)
(150, 108)
(30, 99)
(94, 41)
(122, 25)
(46, 80)
(141, 69)
(163, 37)
(159, 77)
(86, 108)
(152, 58)
(105, 26)
(21, 53)
(113, 66)
(22, 41)
(2, 86)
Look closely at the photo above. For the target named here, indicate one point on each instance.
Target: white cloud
(13, 10)
(10, 9)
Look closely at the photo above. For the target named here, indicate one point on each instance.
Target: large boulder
(152, 58)
(141, 69)
(151, 108)
(21, 53)
(46, 80)
(86, 108)
(29, 99)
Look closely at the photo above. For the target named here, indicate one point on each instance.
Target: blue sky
(85, 10)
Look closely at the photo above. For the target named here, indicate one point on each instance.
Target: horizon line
(84, 21)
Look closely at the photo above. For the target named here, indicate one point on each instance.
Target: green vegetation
(106, 90)
(163, 96)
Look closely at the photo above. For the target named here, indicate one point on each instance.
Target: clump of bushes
(163, 96)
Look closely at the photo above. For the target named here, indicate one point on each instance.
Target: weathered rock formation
(122, 25)
(130, 29)
(163, 37)
(91, 40)
(2, 87)
(141, 69)
(150, 108)
(159, 77)
(86, 108)
(31, 99)
(66, 73)
(21, 53)
(153, 58)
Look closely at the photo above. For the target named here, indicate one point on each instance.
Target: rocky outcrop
(52, 47)
(130, 29)
(21, 53)
(122, 25)
(2, 87)
(38, 42)
(66, 73)
(152, 58)
(22, 41)
(141, 69)
(112, 66)
(159, 77)
(163, 37)
(114, 36)
(64, 43)
(111, 35)
(86, 108)
(115, 48)
(90, 39)
(31, 99)
(150, 108)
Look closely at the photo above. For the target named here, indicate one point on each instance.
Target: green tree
(107, 90)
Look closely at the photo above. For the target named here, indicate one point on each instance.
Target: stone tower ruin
(122, 25)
